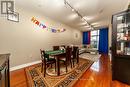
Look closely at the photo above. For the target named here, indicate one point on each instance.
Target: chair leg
(41, 67)
(71, 63)
(64, 62)
(55, 66)
(66, 66)
(77, 59)
(44, 70)
(51, 65)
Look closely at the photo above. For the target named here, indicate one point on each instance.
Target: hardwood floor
(18, 78)
(98, 75)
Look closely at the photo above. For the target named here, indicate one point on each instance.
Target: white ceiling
(97, 12)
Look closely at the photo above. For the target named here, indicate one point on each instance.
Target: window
(95, 39)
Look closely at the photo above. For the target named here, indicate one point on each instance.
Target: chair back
(63, 46)
(44, 56)
(56, 47)
(75, 52)
(68, 53)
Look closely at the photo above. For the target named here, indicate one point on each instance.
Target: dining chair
(46, 61)
(56, 47)
(67, 58)
(75, 56)
(63, 46)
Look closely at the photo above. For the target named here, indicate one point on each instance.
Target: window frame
(97, 38)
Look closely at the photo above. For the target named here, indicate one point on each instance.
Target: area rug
(51, 70)
(36, 79)
(89, 56)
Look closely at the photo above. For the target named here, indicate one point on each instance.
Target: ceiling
(96, 12)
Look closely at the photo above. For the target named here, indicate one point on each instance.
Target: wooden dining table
(57, 54)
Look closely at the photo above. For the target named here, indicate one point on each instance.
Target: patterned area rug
(51, 70)
(36, 78)
(89, 56)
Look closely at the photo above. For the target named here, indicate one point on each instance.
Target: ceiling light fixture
(86, 26)
(96, 23)
(82, 18)
(72, 9)
(72, 16)
(88, 18)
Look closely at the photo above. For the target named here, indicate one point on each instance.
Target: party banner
(43, 26)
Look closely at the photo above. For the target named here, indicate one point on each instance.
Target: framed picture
(7, 7)
(13, 17)
(76, 35)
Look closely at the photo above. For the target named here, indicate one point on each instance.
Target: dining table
(57, 55)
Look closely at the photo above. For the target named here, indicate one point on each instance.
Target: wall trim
(24, 65)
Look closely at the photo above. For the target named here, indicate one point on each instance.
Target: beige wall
(110, 25)
(24, 39)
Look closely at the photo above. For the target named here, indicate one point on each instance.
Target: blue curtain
(86, 37)
(103, 41)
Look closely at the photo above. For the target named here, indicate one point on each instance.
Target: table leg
(58, 66)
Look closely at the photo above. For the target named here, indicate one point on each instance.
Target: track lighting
(82, 18)
(72, 9)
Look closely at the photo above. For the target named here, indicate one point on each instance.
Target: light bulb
(73, 10)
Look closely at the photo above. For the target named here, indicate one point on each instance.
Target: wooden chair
(63, 46)
(46, 61)
(75, 55)
(67, 58)
(56, 47)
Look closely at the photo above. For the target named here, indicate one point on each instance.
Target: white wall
(24, 39)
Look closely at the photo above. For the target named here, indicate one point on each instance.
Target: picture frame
(76, 35)
(13, 17)
(6, 6)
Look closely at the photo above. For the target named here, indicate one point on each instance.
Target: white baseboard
(24, 65)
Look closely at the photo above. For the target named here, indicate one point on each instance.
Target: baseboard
(24, 65)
